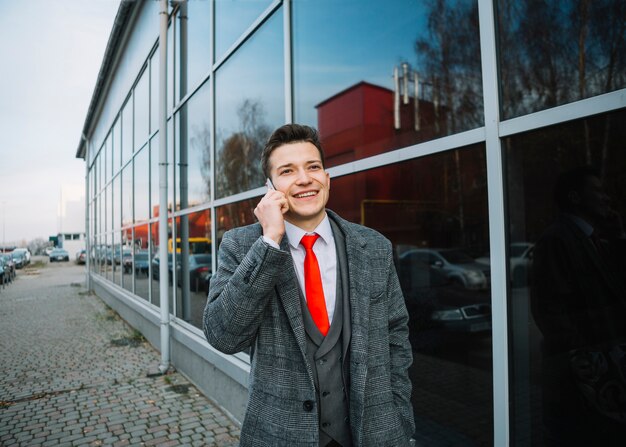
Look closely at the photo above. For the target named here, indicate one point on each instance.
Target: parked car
(156, 266)
(520, 259)
(59, 255)
(19, 258)
(199, 272)
(454, 263)
(142, 262)
(81, 257)
(26, 253)
(440, 309)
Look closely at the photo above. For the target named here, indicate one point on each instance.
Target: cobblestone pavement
(72, 373)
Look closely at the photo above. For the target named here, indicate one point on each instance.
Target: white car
(521, 259)
(455, 263)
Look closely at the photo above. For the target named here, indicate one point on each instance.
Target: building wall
(434, 138)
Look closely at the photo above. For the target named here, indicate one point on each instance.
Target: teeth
(306, 194)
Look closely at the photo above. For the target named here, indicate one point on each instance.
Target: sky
(50, 56)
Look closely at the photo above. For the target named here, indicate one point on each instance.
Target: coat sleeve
(401, 354)
(239, 292)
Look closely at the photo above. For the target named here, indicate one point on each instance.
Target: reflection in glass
(566, 326)
(193, 265)
(127, 195)
(117, 202)
(126, 260)
(359, 67)
(249, 105)
(232, 18)
(434, 211)
(194, 56)
(154, 91)
(127, 131)
(107, 149)
(555, 52)
(141, 261)
(117, 145)
(154, 176)
(142, 185)
(142, 110)
(235, 215)
(194, 152)
(155, 263)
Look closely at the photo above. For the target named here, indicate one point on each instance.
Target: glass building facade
(446, 126)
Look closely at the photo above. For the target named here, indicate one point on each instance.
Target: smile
(305, 194)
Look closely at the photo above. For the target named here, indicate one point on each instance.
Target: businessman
(317, 300)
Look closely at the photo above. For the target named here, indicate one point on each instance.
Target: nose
(303, 177)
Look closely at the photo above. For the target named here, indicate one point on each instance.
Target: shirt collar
(294, 233)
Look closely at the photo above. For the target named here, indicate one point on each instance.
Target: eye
(315, 167)
(284, 171)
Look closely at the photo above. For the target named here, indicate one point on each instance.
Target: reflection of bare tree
(449, 60)
(558, 51)
(201, 142)
(239, 156)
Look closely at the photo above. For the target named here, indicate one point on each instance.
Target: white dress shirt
(324, 249)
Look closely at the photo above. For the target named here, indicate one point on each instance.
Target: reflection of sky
(338, 44)
(232, 18)
(255, 72)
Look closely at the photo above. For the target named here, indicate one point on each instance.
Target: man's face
(593, 201)
(296, 170)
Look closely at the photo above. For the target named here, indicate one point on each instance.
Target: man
(329, 367)
(578, 300)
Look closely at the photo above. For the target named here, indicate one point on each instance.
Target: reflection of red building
(359, 122)
(448, 190)
(199, 227)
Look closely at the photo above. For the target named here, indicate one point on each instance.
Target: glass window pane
(194, 43)
(117, 145)
(358, 67)
(155, 266)
(566, 300)
(232, 18)
(117, 203)
(154, 91)
(194, 265)
(127, 195)
(249, 105)
(127, 131)
(107, 148)
(142, 185)
(434, 211)
(554, 52)
(126, 259)
(141, 260)
(142, 110)
(235, 215)
(154, 176)
(194, 139)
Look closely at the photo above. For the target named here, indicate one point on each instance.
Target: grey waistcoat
(328, 357)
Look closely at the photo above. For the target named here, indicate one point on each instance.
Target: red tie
(313, 285)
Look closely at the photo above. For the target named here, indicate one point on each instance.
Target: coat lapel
(287, 290)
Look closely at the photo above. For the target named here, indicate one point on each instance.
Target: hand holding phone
(270, 212)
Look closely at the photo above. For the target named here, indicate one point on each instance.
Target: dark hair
(572, 180)
(287, 134)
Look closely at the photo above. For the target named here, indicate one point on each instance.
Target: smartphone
(269, 184)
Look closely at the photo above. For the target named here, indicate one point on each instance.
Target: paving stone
(67, 385)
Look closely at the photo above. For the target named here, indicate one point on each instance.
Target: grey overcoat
(254, 302)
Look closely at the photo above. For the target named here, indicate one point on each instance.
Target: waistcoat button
(308, 405)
